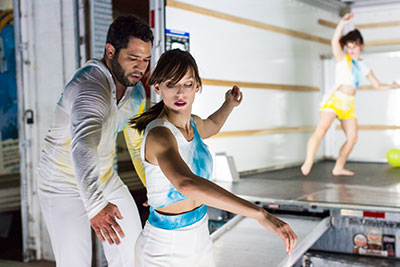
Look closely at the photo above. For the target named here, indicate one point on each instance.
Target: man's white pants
(70, 230)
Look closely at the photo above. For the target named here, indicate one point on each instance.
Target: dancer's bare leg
(350, 128)
(325, 120)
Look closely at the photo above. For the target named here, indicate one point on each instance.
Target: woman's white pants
(189, 246)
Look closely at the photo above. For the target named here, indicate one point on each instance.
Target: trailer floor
(374, 185)
(6, 263)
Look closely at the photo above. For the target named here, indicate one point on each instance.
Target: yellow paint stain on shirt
(133, 141)
(349, 63)
(105, 177)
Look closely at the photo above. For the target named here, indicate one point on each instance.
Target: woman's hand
(279, 227)
(346, 18)
(234, 96)
(213, 124)
(395, 85)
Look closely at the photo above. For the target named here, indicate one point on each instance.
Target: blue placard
(177, 39)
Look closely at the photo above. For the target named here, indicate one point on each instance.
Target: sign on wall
(177, 39)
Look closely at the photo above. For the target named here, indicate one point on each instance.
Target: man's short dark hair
(124, 28)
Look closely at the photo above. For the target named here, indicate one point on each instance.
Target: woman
(178, 167)
(340, 103)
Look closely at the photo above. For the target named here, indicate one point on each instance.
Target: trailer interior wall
(47, 52)
(377, 111)
(6, 4)
(232, 51)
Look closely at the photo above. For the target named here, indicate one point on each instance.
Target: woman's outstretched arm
(381, 86)
(161, 148)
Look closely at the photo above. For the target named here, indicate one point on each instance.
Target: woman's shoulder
(157, 122)
(160, 125)
(197, 121)
(195, 118)
(159, 132)
(344, 59)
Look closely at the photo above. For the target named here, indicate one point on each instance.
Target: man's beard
(119, 72)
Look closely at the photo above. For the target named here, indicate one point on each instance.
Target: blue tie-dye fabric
(201, 163)
(356, 72)
(132, 106)
(171, 222)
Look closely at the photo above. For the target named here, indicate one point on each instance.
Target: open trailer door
(157, 24)
(42, 71)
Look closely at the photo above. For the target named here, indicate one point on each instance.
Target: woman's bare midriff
(180, 207)
(347, 89)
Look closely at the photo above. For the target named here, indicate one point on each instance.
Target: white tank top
(347, 72)
(160, 192)
(350, 72)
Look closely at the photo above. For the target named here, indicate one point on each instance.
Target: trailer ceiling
(367, 3)
(342, 6)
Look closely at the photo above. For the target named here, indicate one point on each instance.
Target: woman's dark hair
(353, 36)
(172, 66)
(124, 28)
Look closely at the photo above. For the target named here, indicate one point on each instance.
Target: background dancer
(339, 103)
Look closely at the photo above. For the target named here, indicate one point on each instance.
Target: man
(78, 186)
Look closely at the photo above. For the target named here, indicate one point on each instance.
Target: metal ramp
(242, 242)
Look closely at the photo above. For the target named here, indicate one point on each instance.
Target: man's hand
(105, 224)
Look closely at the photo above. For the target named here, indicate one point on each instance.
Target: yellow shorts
(342, 104)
